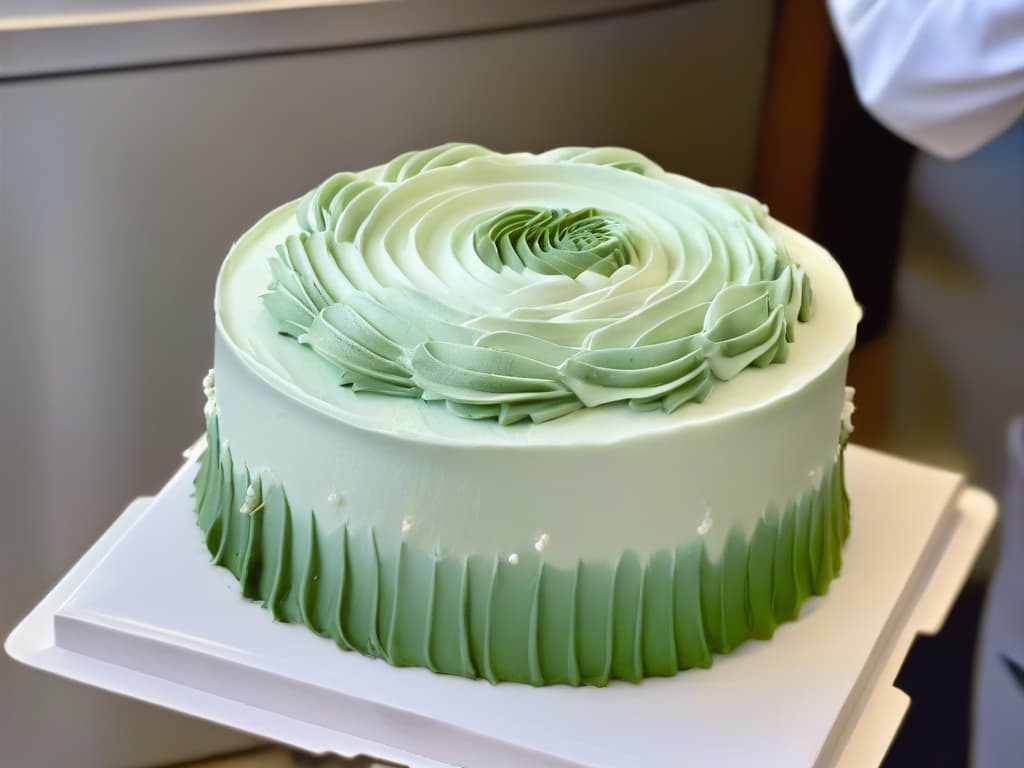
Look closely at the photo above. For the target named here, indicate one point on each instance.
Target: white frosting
(848, 409)
(587, 485)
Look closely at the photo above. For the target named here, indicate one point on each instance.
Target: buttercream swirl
(528, 286)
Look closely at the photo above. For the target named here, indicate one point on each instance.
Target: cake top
(518, 287)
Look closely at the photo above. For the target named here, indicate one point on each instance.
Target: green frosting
(528, 286)
(554, 242)
(529, 622)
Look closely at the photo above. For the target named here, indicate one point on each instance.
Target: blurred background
(137, 139)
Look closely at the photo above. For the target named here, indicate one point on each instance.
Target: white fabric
(946, 75)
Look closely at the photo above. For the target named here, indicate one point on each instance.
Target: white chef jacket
(946, 75)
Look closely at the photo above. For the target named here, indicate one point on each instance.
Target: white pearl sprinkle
(336, 499)
(406, 525)
(541, 542)
(249, 504)
(848, 410)
(812, 473)
(513, 559)
(706, 523)
(208, 385)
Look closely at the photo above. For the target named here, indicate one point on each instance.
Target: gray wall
(957, 335)
(121, 192)
(958, 330)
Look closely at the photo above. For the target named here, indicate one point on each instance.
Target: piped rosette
(529, 286)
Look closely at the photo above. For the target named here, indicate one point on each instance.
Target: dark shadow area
(862, 182)
(938, 677)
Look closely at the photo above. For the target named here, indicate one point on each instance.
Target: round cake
(552, 418)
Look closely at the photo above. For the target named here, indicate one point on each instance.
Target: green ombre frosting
(528, 286)
(531, 621)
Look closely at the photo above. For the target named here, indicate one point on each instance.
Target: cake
(553, 418)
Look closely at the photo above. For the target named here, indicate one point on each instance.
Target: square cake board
(144, 614)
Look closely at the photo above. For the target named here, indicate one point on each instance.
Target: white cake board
(144, 614)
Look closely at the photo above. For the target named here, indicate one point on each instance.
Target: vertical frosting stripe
(486, 667)
(339, 563)
(536, 674)
(207, 482)
(594, 608)
(837, 508)
(388, 569)
(786, 598)
(733, 585)
(801, 548)
(555, 626)
(309, 589)
(249, 573)
(712, 614)
(215, 528)
(325, 578)
(626, 657)
(573, 649)
(691, 644)
(235, 533)
(360, 599)
(431, 595)
(761, 575)
(659, 642)
(449, 637)
(515, 607)
(638, 629)
(411, 621)
(272, 525)
(465, 648)
(373, 621)
(277, 597)
(819, 554)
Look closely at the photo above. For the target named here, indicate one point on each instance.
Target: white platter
(145, 614)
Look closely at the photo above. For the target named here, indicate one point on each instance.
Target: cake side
(518, 617)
